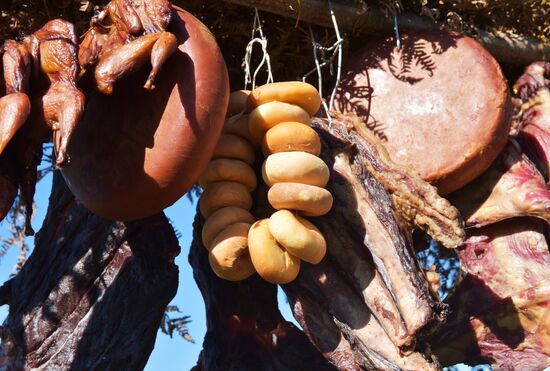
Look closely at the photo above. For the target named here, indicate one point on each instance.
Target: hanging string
(326, 56)
(250, 78)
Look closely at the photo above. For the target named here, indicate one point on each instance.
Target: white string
(321, 60)
(262, 41)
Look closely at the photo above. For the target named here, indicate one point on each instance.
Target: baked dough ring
(272, 262)
(294, 92)
(222, 218)
(229, 257)
(291, 137)
(298, 236)
(238, 125)
(237, 102)
(297, 167)
(224, 169)
(266, 116)
(232, 146)
(309, 200)
(223, 194)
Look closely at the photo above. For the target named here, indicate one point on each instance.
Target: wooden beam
(519, 50)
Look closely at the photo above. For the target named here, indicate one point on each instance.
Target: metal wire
(396, 30)
(250, 78)
(326, 56)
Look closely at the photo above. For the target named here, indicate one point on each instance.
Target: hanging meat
(15, 108)
(532, 119)
(501, 310)
(123, 37)
(14, 104)
(138, 151)
(405, 96)
(367, 304)
(54, 48)
(146, 174)
(49, 56)
(368, 294)
(156, 91)
(512, 187)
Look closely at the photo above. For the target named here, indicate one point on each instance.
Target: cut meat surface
(501, 310)
(440, 104)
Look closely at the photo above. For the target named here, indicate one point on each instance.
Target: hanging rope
(257, 37)
(326, 56)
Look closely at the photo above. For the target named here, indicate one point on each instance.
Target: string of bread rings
(277, 118)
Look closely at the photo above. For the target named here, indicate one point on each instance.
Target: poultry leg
(63, 107)
(130, 57)
(14, 111)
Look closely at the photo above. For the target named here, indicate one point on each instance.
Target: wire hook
(335, 51)
(250, 78)
(396, 30)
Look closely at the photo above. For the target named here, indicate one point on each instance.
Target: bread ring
(237, 102)
(229, 257)
(229, 170)
(298, 236)
(222, 218)
(272, 262)
(266, 116)
(232, 146)
(223, 194)
(295, 92)
(291, 137)
(309, 200)
(238, 125)
(296, 167)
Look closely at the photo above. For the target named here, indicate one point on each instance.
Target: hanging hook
(250, 78)
(334, 52)
(339, 44)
